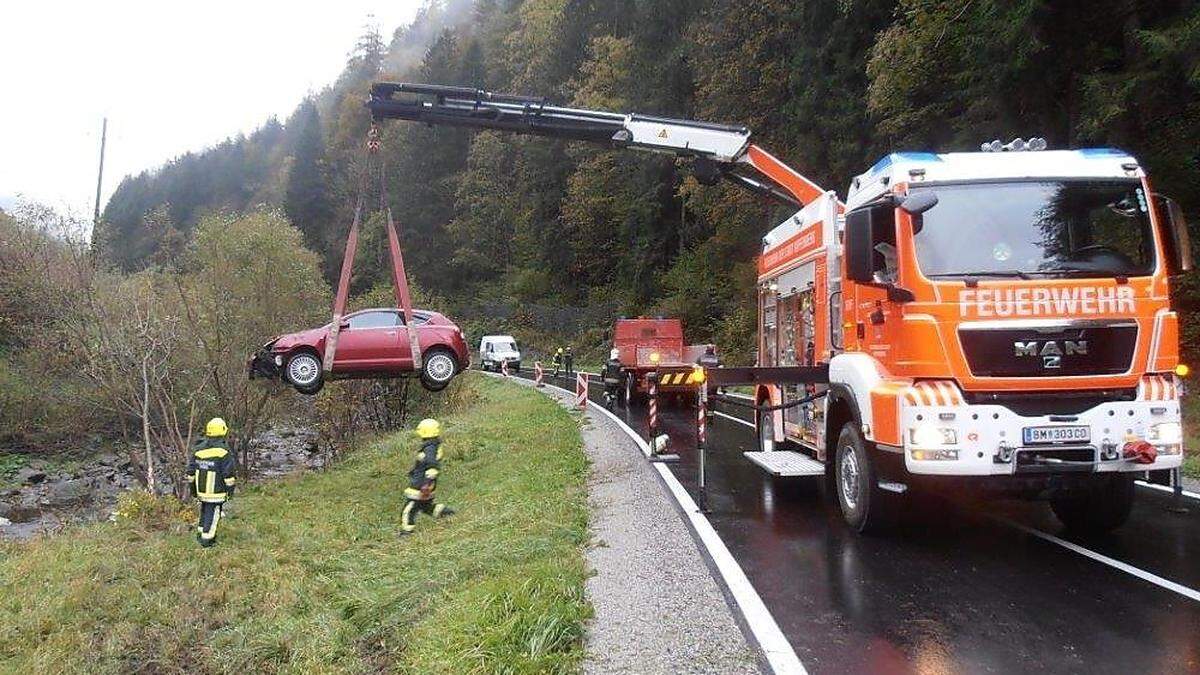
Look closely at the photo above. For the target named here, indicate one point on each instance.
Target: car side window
(374, 320)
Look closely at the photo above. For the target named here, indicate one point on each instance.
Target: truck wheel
(766, 430)
(1101, 507)
(858, 493)
(303, 371)
(437, 369)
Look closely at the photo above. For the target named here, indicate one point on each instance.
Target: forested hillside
(530, 234)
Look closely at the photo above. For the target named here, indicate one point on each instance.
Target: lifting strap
(399, 277)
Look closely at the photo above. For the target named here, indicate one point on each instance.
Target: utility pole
(100, 173)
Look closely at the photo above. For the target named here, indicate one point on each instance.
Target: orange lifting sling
(399, 278)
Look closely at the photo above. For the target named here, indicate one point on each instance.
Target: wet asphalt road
(957, 587)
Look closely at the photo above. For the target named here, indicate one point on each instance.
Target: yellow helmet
(216, 428)
(429, 428)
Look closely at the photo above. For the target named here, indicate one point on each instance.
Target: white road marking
(775, 646)
(1169, 490)
(1111, 562)
(733, 419)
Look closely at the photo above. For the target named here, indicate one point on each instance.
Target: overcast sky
(170, 76)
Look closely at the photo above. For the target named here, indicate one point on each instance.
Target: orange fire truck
(998, 319)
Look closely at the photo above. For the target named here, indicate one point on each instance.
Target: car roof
(509, 338)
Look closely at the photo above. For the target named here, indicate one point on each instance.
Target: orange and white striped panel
(933, 392)
(1158, 388)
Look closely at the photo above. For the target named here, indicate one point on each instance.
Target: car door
(370, 341)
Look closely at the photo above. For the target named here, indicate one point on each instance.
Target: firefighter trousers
(408, 520)
(210, 516)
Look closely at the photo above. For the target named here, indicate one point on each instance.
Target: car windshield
(1089, 228)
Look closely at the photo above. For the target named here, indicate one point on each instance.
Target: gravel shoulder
(658, 608)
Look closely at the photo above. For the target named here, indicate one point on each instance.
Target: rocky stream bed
(48, 496)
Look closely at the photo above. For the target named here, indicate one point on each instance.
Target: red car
(372, 343)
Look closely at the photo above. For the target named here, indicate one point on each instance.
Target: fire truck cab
(997, 319)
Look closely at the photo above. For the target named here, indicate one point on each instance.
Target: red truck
(644, 345)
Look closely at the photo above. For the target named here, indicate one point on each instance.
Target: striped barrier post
(504, 368)
(701, 439)
(581, 390)
(652, 378)
(537, 374)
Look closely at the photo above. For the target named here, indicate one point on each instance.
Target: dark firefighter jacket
(612, 372)
(213, 470)
(422, 479)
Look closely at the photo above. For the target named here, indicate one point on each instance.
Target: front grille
(1037, 404)
(1049, 351)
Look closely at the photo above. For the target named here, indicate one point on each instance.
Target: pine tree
(306, 200)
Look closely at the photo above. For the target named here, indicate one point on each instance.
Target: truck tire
(765, 429)
(863, 504)
(1102, 507)
(304, 372)
(438, 367)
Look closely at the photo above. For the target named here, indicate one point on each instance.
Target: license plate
(1057, 434)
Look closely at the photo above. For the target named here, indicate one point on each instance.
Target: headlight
(1166, 433)
(930, 436)
(278, 360)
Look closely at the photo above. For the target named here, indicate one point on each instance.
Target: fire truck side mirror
(919, 202)
(860, 251)
(1177, 245)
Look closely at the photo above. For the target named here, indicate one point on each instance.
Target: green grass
(1191, 437)
(309, 575)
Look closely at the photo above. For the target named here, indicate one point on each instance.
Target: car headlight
(1166, 433)
(931, 436)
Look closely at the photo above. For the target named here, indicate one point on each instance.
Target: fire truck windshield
(1086, 228)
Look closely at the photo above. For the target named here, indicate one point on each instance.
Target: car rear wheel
(437, 369)
(303, 371)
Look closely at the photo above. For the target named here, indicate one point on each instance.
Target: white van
(496, 349)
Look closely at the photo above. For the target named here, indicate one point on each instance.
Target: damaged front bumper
(265, 363)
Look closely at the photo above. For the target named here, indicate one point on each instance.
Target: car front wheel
(437, 369)
(303, 372)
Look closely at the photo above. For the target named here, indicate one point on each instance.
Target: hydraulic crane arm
(717, 148)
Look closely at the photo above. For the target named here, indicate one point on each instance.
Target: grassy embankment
(309, 576)
(1191, 436)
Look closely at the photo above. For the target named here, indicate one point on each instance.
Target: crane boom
(717, 148)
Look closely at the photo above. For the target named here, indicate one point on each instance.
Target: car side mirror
(919, 202)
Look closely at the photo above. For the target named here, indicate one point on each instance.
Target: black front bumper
(262, 364)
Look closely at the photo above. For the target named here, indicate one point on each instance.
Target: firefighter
(557, 361)
(569, 361)
(212, 477)
(422, 479)
(611, 375)
(709, 358)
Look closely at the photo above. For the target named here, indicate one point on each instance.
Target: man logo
(1050, 350)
